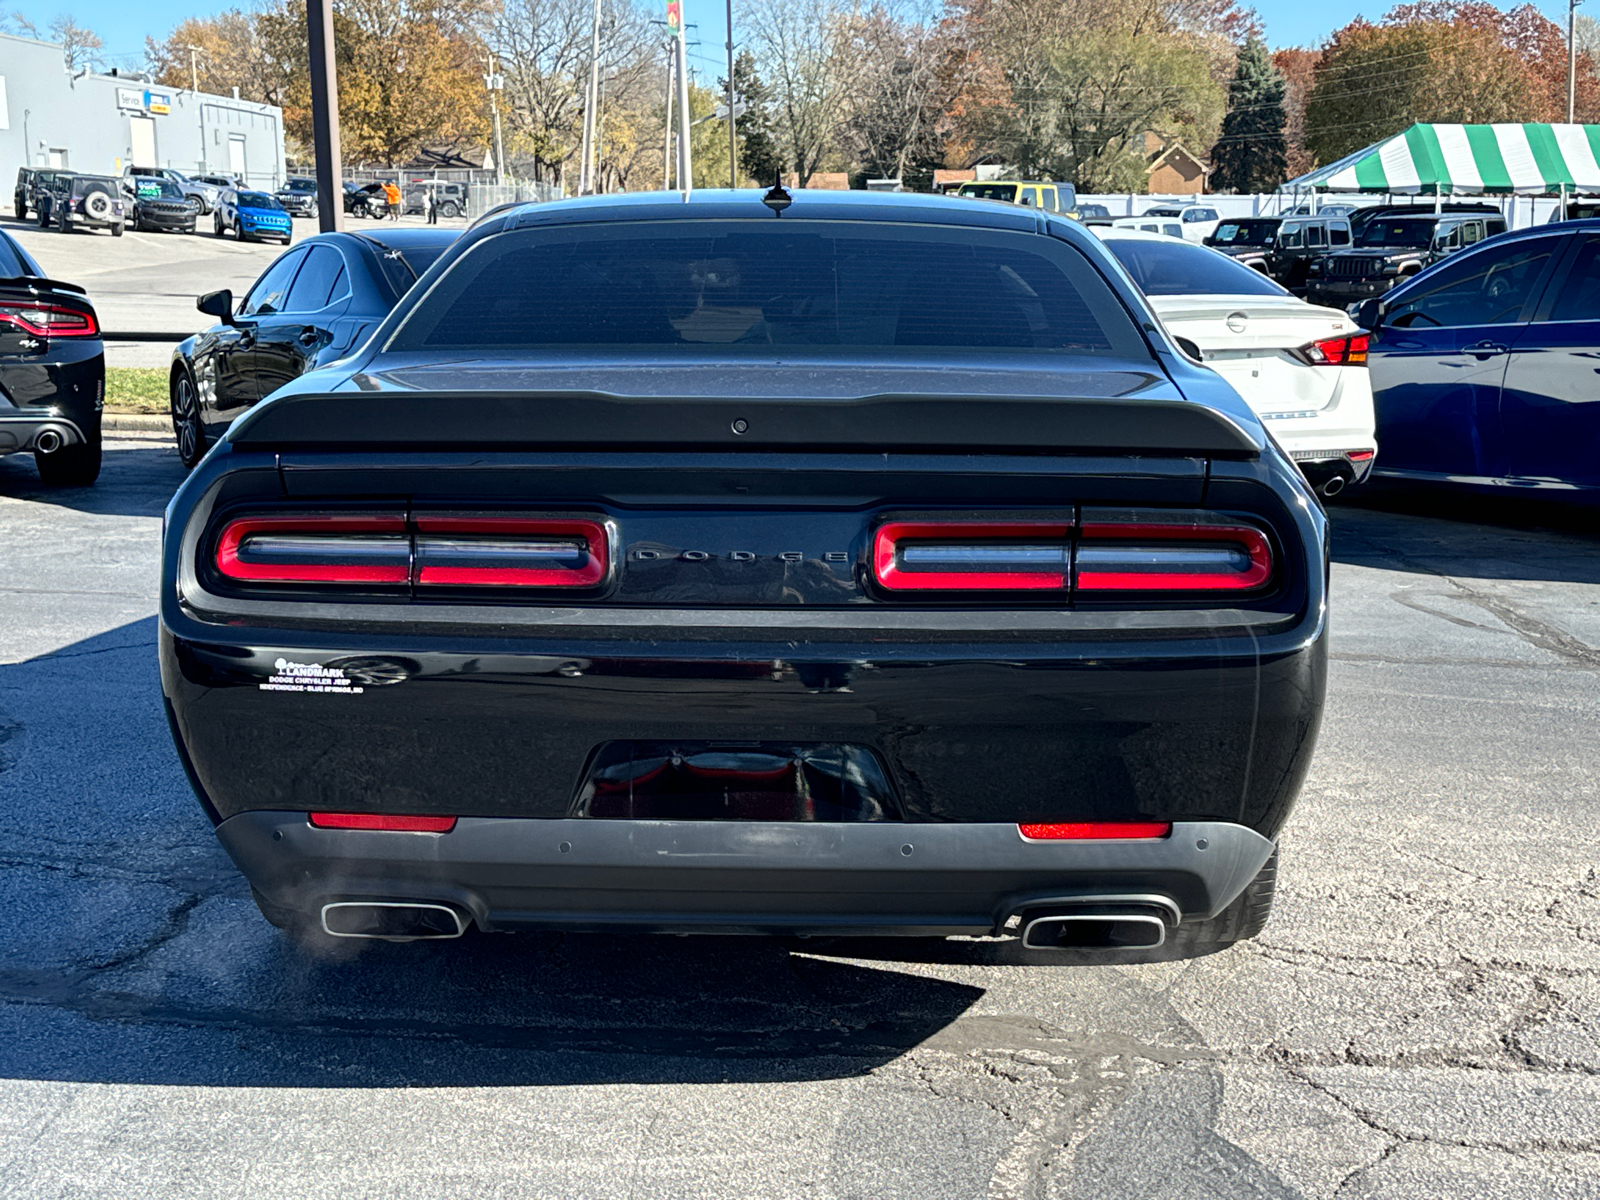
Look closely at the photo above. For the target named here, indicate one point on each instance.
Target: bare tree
(796, 41)
(78, 45)
(898, 93)
(543, 49)
(18, 23)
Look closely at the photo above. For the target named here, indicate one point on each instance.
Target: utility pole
(676, 29)
(325, 114)
(733, 133)
(1572, 59)
(495, 81)
(194, 88)
(672, 84)
(591, 98)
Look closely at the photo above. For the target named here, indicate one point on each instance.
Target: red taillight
(1116, 556)
(1356, 456)
(332, 549)
(971, 556)
(510, 552)
(1094, 830)
(48, 320)
(1338, 352)
(388, 822)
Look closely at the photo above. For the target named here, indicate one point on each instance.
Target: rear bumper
(22, 432)
(736, 877)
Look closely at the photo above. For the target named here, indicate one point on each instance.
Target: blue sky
(123, 25)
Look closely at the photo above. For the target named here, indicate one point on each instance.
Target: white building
(99, 124)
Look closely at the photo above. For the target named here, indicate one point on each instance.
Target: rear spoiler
(458, 420)
(40, 283)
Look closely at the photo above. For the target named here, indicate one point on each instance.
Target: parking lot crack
(1532, 630)
(177, 921)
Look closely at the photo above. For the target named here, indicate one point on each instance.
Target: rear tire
(449, 210)
(71, 466)
(22, 212)
(116, 230)
(1239, 922)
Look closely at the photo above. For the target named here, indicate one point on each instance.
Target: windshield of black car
(257, 200)
(988, 191)
(1168, 267)
(403, 267)
(739, 287)
(14, 260)
(147, 188)
(1410, 233)
(1246, 233)
(300, 185)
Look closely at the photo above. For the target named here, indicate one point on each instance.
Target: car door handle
(1485, 350)
(310, 335)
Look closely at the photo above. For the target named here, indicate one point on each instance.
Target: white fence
(1520, 211)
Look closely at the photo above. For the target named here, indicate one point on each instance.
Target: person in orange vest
(391, 193)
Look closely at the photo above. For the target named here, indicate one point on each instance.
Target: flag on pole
(674, 17)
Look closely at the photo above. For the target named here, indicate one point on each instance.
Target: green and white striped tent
(1431, 160)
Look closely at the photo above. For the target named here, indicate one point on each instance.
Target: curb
(143, 336)
(136, 423)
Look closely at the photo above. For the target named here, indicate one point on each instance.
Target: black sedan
(52, 371)
(668, 563)
(314, 304)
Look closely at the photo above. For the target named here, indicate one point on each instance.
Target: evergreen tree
(759, 157)
(1252, 153)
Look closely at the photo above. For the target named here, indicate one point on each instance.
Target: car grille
(1352, 268)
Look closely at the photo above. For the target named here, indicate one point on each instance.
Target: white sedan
(1302, 368)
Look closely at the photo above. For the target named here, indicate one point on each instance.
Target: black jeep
(1392, 247)
(1300, 242)
(1247, 239)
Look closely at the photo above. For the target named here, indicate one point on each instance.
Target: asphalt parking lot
(1421, 1017)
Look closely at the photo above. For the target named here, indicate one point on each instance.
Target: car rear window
(1174, 268)
(14, 261)
(807, 286)
(403, 267)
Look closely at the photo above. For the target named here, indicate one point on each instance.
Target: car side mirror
(1369, 314)
(218, 304)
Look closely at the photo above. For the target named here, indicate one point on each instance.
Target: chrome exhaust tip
(392, 920)
(48, 441)
(1095, 931)
(1333, 486)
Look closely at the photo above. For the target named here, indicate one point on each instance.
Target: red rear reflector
(1094, 830)
(389, 822)
(1338, 352)
(333, 549)
(510, 552)
(1360, 455)
(970, 556)
(1133, 557)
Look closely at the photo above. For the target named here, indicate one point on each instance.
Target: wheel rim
(186, 420)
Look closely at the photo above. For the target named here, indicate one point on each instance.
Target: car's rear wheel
(22, 212)
(186, 424)
(1239, 922)
(71, 466)
(449, 210)
(116, 230)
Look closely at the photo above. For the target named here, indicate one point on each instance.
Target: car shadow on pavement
(136, 954)
(137, 478)
(1480, 537)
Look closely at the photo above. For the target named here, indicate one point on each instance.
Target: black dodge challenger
(838, 564)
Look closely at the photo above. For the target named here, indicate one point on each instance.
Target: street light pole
(591, 98)
(325, 114)
(1572, 59)
(494, 81)
(685, 170)
(194, 89)
(733, 134)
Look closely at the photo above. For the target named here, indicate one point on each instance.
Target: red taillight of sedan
(1114, 556)
(971, 556)
(1348, 351)
(1087, 831)
(510, 552)
(311, 549)
(48, 320)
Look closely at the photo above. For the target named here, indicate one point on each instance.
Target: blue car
(253, 217)
(1486, 367)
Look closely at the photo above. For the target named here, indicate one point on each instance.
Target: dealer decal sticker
(309, 677)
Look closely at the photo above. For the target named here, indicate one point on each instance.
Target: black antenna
(777, 199)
